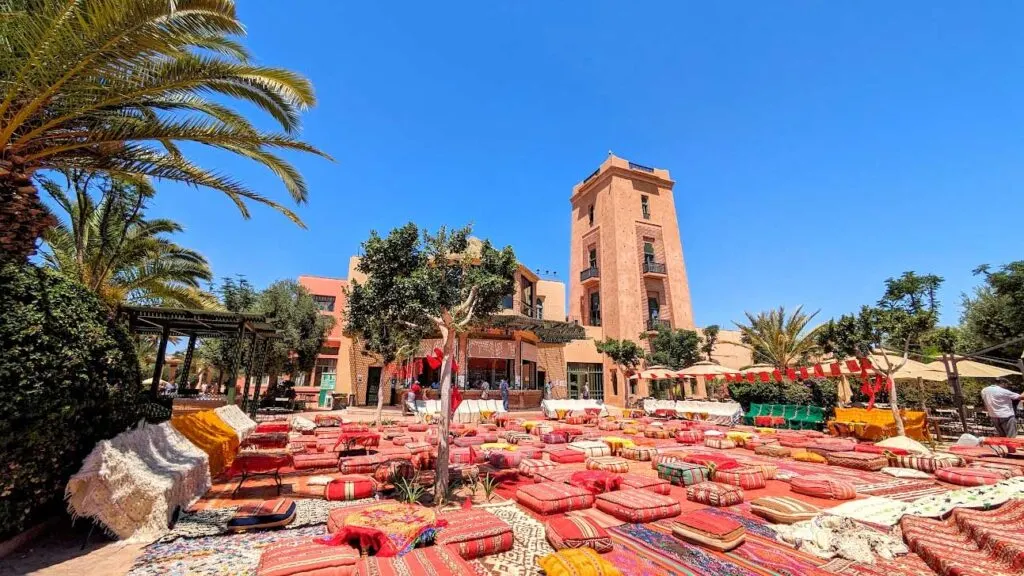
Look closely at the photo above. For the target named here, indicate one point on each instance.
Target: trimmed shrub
(69, 377)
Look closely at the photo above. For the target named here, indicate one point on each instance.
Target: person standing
(547, 390)
(999, 404)
(503, 388)
(485, 388)
(586, 391)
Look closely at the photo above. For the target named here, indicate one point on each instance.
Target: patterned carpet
(903, 489)
(530, 544)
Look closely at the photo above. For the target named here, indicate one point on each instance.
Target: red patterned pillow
(468, 441)
(714, 494)
(721, 462)
(474, 533)
(553, 438)
(719, 442)
(607, 463)
(528, 467)
(572, 532)
(350, 487)
(419, 427)
(748, 478)
(969, 476)
(857, 460)
(300, 556)
(554, 497)
(711, 530)
(823, 487)
(566, 455)
(641, 482)
(640, 453)
(504, 459)
(315, 460)
(638, 506)
(466, 456)
(361, 464)
(429, 560)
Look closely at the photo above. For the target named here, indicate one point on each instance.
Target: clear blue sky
(817, 147)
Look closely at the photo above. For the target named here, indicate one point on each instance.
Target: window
(591, 214)
(324, 303)
(592, 256)
(653, 308)
(506, 302)
(595, 308)
(645, 208)
(589, 375)
(648, 253)
(540, 308)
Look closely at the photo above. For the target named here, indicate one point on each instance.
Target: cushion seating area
(969, 476)
(783, 509)
(553, 438)
(607, 463)
(714, 494)
(748, 478)
(266, 514)
(926, 462)
(857, 460)
(641, 482)
(591, 447)
(709, 530)
(428, 560)
(639, 453)
(304, 557)
(475, 532)
(554, 497)
(638, 506)
(574, 532)
(823, 487)
(577, 562)
(721, 462)
(682, 473)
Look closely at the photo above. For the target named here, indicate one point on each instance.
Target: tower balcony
(653, 324)
(652, 268)
(590, 276)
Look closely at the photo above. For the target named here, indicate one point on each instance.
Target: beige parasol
(973, 369)
(655, 373)
(705, 368)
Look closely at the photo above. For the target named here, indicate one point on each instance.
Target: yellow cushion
(577, 562)
(766, 431)
(496, 446)
(809, 457)
(739, 437)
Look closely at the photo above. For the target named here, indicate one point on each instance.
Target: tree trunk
(441, 470)
(894, 406)
(953, 377)
(23, 217)
(384, 377)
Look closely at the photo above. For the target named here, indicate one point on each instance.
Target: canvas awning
(973, 369)
(705, 368)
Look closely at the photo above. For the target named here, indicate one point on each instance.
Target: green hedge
(817, 392)
(68, 378)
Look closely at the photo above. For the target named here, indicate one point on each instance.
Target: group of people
(416, 391)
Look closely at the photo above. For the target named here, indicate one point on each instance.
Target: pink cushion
(554, 497)
(638, 506)
(969, 476)
(823, 487)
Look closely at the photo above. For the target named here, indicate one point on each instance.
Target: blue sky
(817, 147)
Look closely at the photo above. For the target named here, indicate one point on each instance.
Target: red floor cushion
(690, 436)
(468, 441)
(503, 459)
(710, 530)
(572, 532)
(267, 514)
(969, 476)
(401, 440)
(529, 466)
(272, 427)
(553, 438)
(638, 453)
(719, 442)
(793, 441)
(823, 487)
(609, 425)
(394, 469)
(350, 487)
(361, 464)
(607, 463)
(773, 451)
(824, 445)
(554, 497)
(314, 460)
(873, 449)
(418, 447)
(720, 461)
(418, 427)
(566, 455)
(638, 506)
(474, 533)
(641, 482)
(926, 462)
(783, 509)
(748, 478)
(682, 473)
(466, 456)
(304, 557)
(430, 560)
(1009, 470)
(556, 474)
(596, 481)
(857, 460)
(714, 494)
(657, 432)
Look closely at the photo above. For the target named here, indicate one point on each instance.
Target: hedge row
(818, 392)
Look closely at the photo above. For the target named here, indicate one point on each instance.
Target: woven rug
(530, 544)
(643, 551)
(903, 489)
(909, 565)
(596, 516)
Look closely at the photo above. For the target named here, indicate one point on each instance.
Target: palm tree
(778, 340)
(115, 87)
(110, 246)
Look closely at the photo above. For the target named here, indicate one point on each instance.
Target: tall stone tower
(626, 267)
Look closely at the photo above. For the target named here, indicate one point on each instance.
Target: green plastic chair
(789, 413)
(755, 410)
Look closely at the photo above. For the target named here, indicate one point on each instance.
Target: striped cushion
(640, 453)
(714, 494)
(748, 478)
(566, 455)
(969, 476)
(719, 442)
(530, 466)
(783, 509)
(420, 427)
(401, 440)
(466, 456)
(638, 506)
(690, 436)
(682, 473)
(554, 497)
(657, 432)
(418, 447)
(768, 469)
(793, 441)
(608, 425)
(607, 463)
(772, 450)
(553, 438)
(350, 487)
(857, 460)
(823, 487)
(429, 560)
(573, 532)
(361, 464)
(576, 420)
(577, 562)
(302, 556)
(556, 474)
(591, 447)
(468, 441)
(710, 530)
(474, 533)
(1007, 469)
(641, 482)
(315, 460)
(926, 462)
(720, 461)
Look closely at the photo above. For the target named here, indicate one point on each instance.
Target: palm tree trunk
(23, 217)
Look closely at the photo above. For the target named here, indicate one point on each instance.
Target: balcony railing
(528, 310)
(589, 273)
(656, 323)
(651, 267)
(640, 167)
(595, 320)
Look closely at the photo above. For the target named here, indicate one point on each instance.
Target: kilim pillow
(607, 463)
(755, 443)
(417, 427)
(519, 438)
(576, 420)
(315, 460)
(638, 506)
(657, 432)
(556, 474)
(769, 470)
(591, 447)
(468, 441)
(720, 461)
(805, 456)
(783, 509)
(926, 462)
(682, 473)
(969, 476)
(266, 514)
(573, 532)
(393, 470)
(641, 482)
(529, 466)
(772, 450)
(553, 438)
(640, 453)
(720, 443)
(554, 497)
(665, 457)
(608, 425)
(823, 487)
(301, 556)
(429, 560)
(905, 473)
(857, 460)
(714, 494)
(361, 464)
(505, 459)
(474, 533)
(566, 455)
(748, 478)
(466, 456)
(710, 530)
(577, 562)
(350, 487)
(689, 436)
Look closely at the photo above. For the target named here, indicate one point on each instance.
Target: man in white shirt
(999, 403)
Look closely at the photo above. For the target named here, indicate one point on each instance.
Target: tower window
(592, 256)
(648, 253)
(645, 207)
(595, 308)
(591, 214)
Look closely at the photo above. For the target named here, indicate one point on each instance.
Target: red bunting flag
(819, 371)
(836, 369)
(751, 377)
(791, 374)
(803, 373)
(777, 375)
(865, 364)
(765, 377)
(853, 365)
(728, 377)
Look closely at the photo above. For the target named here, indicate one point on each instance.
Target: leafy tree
(709, 339)
(907, 311)
(625, 354)
(778, 340)
(115, 88)
(673, 348)
(291, 309)
(995, 313)
(236, 295)
(421, 282)
(113, 249)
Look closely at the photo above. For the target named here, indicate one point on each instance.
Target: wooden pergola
(240, 327)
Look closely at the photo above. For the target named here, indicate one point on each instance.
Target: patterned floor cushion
(418, 447)
(474, 533)
(401, 440)
(873, 449)
(773, 451)
(468, 441)
(805, 456)
(418, 427)
(1010, 470)
(719, 443)
(748, 477)
(682, 473)
(714, 494)
(690, 436)
(823, 446)
(574, 532)
(905, 473)
(466, 456)
(518, 438)
(641, 482)
(591, 447)
(529, 466)
(304, 557)
(638, 506)
(666, 457)
(577, 562)
(505, 459)
(266, 514)
(823, 487)
(350, 487)
(792, 441)
(554, 497)
(608, 425)
(394, 469)
(926, 462)
(639, 453)
(709, 530)
(576, 420)
(720, 461)
(429, 560)
(969, 476)
(857, 460)
(566, 455)
(607, 463)
(783, 509)
(657, 432)
(768, 469)
(755, 443)
(315, 460)
(556, 474)
(361, 464)
(554, 438)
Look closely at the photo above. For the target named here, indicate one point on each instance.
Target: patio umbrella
(705, 368)
(655, 373)
(972, 369)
